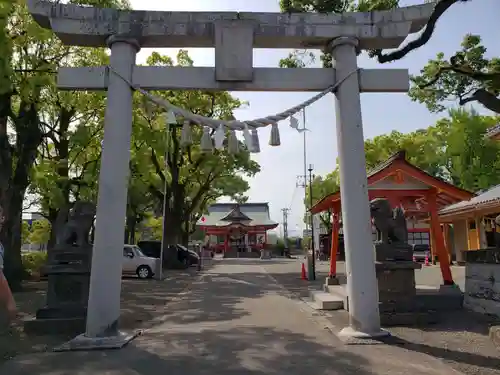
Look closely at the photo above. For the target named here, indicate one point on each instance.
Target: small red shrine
(233, 226)
(421, 195)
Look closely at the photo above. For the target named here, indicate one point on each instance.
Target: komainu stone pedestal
(397, 290)
(68, 270)
(67, 295)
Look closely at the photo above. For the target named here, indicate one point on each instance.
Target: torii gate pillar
(362, 289)
(106, 275)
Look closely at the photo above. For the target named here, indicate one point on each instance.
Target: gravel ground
(460, 338)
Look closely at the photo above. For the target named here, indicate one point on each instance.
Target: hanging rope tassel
(220, 135)
(248, 138)
(206, 144)
(186, 135)
(170, 118)
(275, 136)
(294, 123)
(233, 144)
(255, 142)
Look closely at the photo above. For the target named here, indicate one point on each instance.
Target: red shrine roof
(223, 215)
(398, 178)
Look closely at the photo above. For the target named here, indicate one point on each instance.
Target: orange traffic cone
(303, 275)
(427, 260)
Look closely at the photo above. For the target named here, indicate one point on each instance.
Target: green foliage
(33, 115)
(40, 232)
(301, 58)
(152, 228)
(25, 232)
(194, 179)
(322, 187)
(33, 261)
(466, 77)
(453, 149)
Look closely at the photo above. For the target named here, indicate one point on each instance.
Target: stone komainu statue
(76, 230)
(391, 223)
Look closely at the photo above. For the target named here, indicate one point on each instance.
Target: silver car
(136, 263)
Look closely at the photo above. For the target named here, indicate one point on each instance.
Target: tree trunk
(185, 238)
(133, 230)
(171, 233)
(15, 167)
(130, 230)
(10, 236)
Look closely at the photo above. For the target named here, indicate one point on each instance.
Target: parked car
(153, 249)
(136, 262)
(421, 251)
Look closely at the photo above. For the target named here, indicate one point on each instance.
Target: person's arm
(6, 297)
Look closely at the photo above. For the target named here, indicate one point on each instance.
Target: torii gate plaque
(233, 35)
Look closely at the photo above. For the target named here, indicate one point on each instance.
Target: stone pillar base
(349, 333)
(331, 281)
(495, 335)
(265, 254)
(83, 342)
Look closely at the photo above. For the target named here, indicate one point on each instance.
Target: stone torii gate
(234, 36)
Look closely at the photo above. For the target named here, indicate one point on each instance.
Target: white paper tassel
(206, 143)
(232, 144)
(170, 118)
(294, 123)
(255, 141)
(248, 137)
(186, 135)
(275, 136)
(220, 135)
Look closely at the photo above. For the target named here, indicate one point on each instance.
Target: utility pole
(302, 179)
(285, 226)
(312, 223)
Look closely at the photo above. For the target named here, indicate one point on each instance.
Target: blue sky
(382, 113)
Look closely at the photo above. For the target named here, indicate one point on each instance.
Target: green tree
(301, 58)
(40, 232)
(25, 232)
(193, 179)
(468, 76)
(29, 57)
(322, 187)
(454, 149)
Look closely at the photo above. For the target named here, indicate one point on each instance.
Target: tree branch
(484, 97)
(426, 35)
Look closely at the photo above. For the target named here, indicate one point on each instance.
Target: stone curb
(495, 335)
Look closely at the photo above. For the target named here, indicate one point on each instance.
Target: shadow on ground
(240, 351)
(142, 301)
(460, 338)
(224, 304)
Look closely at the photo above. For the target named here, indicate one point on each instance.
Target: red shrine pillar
(438, 239)
(334, 246)
(226, 242)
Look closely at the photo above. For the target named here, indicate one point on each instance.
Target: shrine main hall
(233, 228)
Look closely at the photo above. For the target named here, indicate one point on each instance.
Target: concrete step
(338, 291)
(326, 301)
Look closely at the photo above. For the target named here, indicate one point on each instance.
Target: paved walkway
(235, 320)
